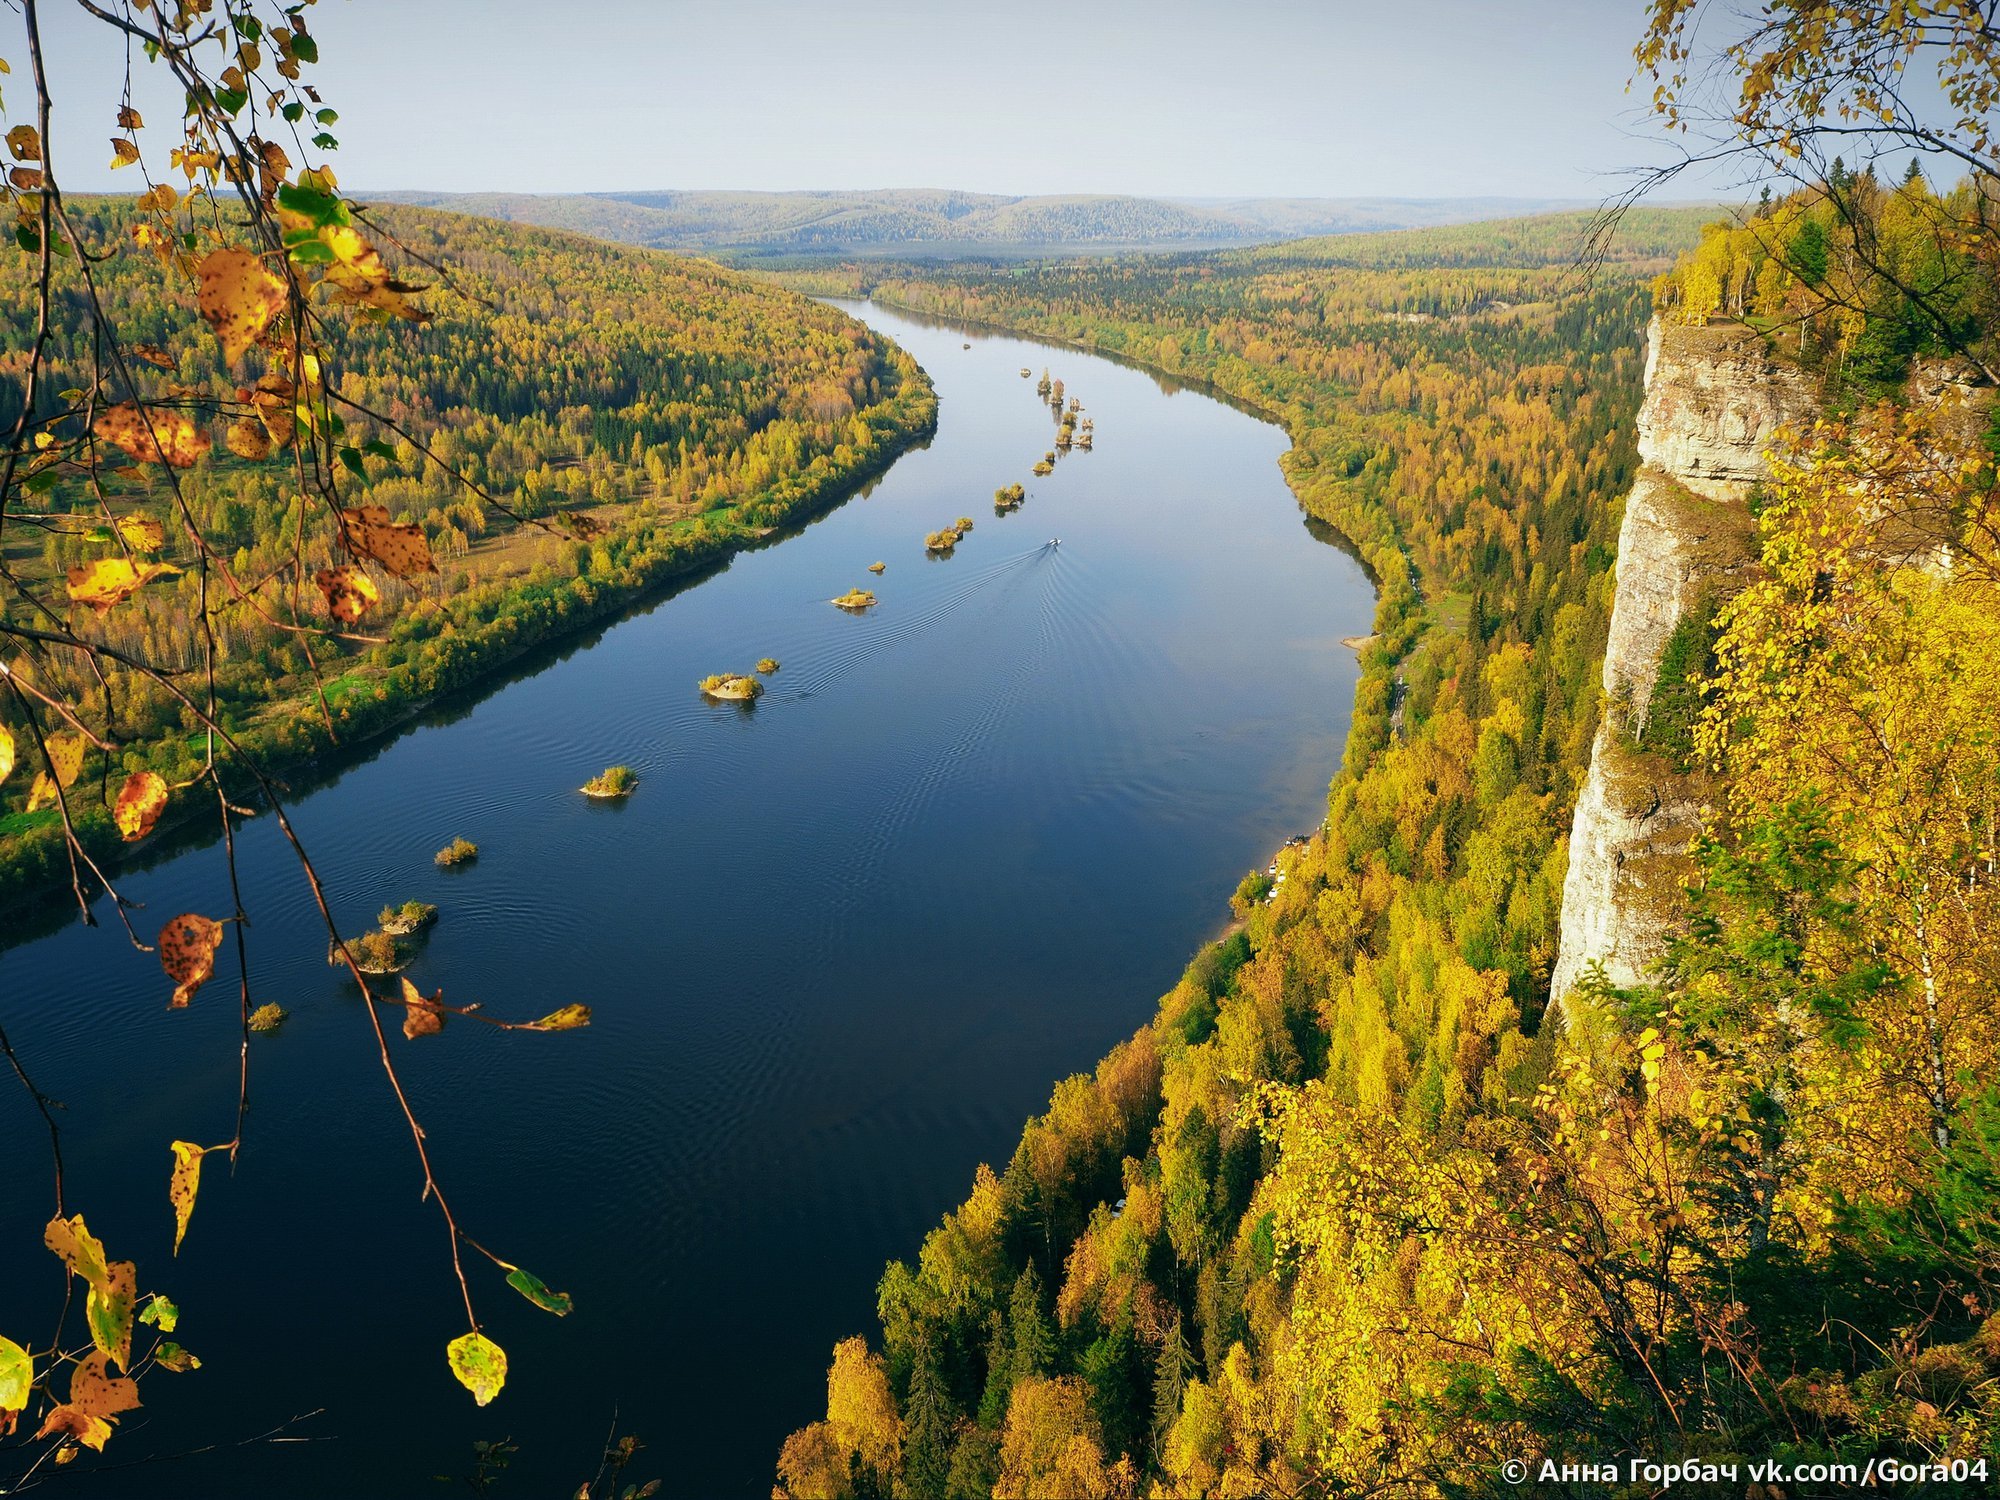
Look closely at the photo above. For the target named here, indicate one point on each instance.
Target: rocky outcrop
(1715, 402)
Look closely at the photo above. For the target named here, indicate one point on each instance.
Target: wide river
(839, 945)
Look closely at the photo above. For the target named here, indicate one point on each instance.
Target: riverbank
(446, 645)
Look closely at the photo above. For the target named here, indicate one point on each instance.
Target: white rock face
(1715, 401)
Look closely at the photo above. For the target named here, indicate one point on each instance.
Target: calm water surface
(839, 946)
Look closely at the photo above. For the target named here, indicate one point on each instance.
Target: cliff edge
(1714, 401)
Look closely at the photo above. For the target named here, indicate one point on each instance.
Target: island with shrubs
(457, 852)
(767, 665)
(732, 686)
(855, 599)
(612, 782)
(1009, 497)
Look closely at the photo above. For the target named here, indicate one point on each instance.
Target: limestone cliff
(1714, 401)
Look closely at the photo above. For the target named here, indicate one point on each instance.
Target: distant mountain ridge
(919, 221)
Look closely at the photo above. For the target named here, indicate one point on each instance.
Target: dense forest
(633, 415)
(1366, 1208)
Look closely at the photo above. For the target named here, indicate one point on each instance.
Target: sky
(1239, 98)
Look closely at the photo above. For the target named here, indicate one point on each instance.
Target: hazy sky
(1248, 97)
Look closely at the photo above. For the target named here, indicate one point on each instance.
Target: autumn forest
(1594, 1094)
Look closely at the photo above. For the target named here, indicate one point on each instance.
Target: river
(839, 945)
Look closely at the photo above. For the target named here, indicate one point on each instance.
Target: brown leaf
(401, 548)
(274, 399)
(110, 581)
(123, 153)
(152, 354)
(128, 118)
(187, 953)
(70, 1421)
(140, 802)
(25, 143)
(249, 438)
(153, 436)
(27, 179)
(349, 592)
(421, 1016)
(238, 296)
(159, 199)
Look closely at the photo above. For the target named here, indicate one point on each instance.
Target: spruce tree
(1171, 1374)
(927, 1421)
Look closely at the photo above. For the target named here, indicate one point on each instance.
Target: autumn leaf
(140, 802)
(183, 1185)
(108, 1310)
(25, 143)
(157, 436)
(238, 296)
(152, 354)
(349, 592)
(73, 1243)
(93, 1388)
(110, 581)
(66, 756)
(161, 1313)
(171, 1356)
(17, 1376)
(273, 398)
(421, 1016)
(159, 198)
(531, 1286)
(187, 953)
(401, 548)
(569, 1018)
(43, 793)
(480, 1365)
(68, 1421)
(128, 118)
(6, 751)
(123, 153)
(249, 438)
(142, 533)
(27, 179)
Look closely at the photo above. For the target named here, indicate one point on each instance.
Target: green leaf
(293, 112)
(304, 48)
(327, 116)
(108, 1309)
(17, 1376)
(28, 238)
(160, 1313)
(321, 208)
(326, 142)
(379, 448)
(231, 101)
(352, 458)
(531, 1286)
(480, 1365)
(313, 252)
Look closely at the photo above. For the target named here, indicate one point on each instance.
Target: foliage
(459, 851)
(614, 781)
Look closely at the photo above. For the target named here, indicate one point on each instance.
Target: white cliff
(1715, 401)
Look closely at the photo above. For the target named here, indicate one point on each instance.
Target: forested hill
(630, 413)
(1357, 1213)
(926, 221)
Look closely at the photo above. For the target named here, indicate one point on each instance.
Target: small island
(941, 541)
(855, 599)
(767, 664)
(1044, 468)
(373, 953)
(962, 525)
(612, 782)
(877, 567)
(1026, 372)
(457, 852)
(411, 916)
(732, 686)
(1009, 497)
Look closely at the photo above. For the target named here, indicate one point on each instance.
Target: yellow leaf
(6, 751)
(140, 802)
(66, 756)
(480, 1365)
(71, 1241)
(152, 436)
(187, 953)
(569, 1018)
(422, 1017)
(128, 118)
(42, 793)
(349, 592)
(110, 581)
(123, 153)
(183, 1185)
(142, 533)
(239, 296)
(68, 1421)
(159, 198)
